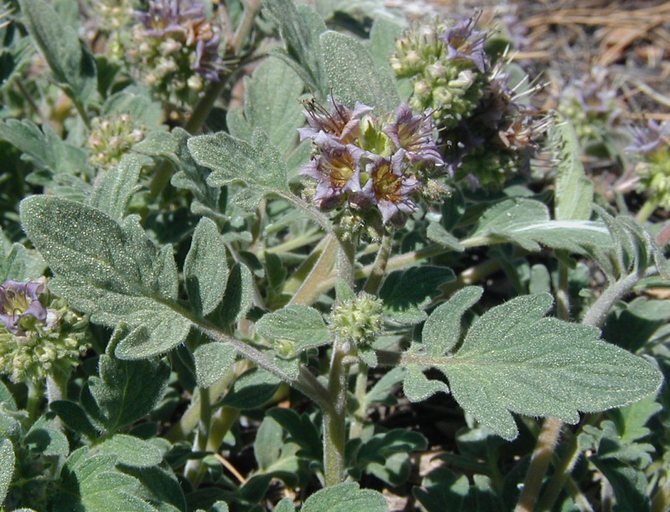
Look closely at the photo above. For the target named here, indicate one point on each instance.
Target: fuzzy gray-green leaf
(345, 497)
(212, 361)
(256, 163)
(7, 460)
(206, 268)
(513, 359)
(442, 330)
(271, 102)
(112, 272)
(131, 451)
(353, 75)
(301, 324)
(72, 66)
(574, 191)
(113, 192)
(526, 222)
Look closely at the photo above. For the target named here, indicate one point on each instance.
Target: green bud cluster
(358, 320)
(114, 17)
(654, 174)
(111, 138)
(450, 87)
(53, 347)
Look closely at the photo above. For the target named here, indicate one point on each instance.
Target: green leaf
(574, 191)
(122, 393)
(110, 271)
(515, 360)
(256, 163)
(271, 103)
(113, 192)
(46, 438)
(238, 298)
(130, 451)
(442, 489)
(212, 361)
(74, 417)
(301, 430)
(253, 389)
(345, 497)
(526, 222)
(300, 27)
(72, 66)
(353, 75)
(441, 236)
(381, 446)
(20, 264)
(285, 505)
(206, 268)
(91, 483)
(44, 147)
(160, 487)
(7, 461)
(406, 293)
(442, 331)
(629, 484)
(268, 443)
(300, 324)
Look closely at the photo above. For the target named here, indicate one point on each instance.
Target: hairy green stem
(82, 113)
(539, 463)
(561, 475)
(378, 269)
(360, 392)
(647, 209)
(334, 418)
(222, 421)
(33, 400)
(308, 291)
(194, 470)
(660, 502)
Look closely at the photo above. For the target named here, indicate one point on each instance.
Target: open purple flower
(414, 134)
(339, 122)
(647, 139)
(336, 170)
(19, 301)
(465, 43)
(388, 187)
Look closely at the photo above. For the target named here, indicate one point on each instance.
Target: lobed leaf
(110, 271)
(300, 324)
(513, 359)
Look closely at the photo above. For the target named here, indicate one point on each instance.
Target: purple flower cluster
(647, 139)
(365, 162)
(184, 21)
(19, 302)
(464, 43)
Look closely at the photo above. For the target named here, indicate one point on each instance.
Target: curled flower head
(414, 134)
(649, 138)
(20, 305)
(464, 43)
(175, 47)
(336, 170)
(339, 122)
(388, 188)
